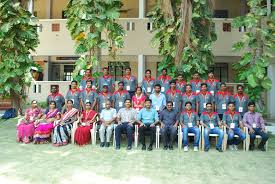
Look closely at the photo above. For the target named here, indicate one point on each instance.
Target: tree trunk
(167, 9)
(15, 100)
(184, 30)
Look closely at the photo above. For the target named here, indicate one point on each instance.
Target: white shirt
(108, 114)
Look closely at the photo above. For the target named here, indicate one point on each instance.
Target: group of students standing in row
(163, 101)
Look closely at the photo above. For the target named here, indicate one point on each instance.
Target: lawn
(31, 163)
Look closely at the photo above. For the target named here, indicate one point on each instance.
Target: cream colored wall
(40, 8)
(233, 7)
(57, 7)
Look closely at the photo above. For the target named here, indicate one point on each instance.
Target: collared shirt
(158, 101)
(221, 100)
(164, 81)
(75, 97)
(196, 85)
(127, 115)
(84, 80)
(169, 118)
(130, 83)
(58, 98)
(175, 97)
(148, 116)
(102, 98)
(147, 85)
(106, 80)
(208, 118)
(192, 97)
(203, 100)
(108, 114)
(189, 117)
(88, 95)
(213, 86)
(119, 97)
(241, 103)
(181, 86)
(228, 118)
(253, 120)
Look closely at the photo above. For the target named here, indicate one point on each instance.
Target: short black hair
(139, 88)
(88, 69)
(223, 83)
(128, 99)
(251, 103)
(164, 69)
(89, 81)
(128, 68)
(53, 102)
(188, 103)
(148, 70)
(188, 85)
(203, 84)
(169, 102)
(148, 100)
(157, 85)
(239, 85)
(208, 103)
(70, 101)
(74, 81)
(233, 103)
(173, 81)
(88, 103)
(121, 82)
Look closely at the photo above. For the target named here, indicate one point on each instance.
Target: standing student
(203, 98)
(120, 96)
(189, 96)
(196, 83)
(158, 99)
(164, 81)
(56, 97)
(106, 80)
(103, 97)
(241, 100)
(212, 83)
(74, 95)
(88, 95)
(148, 83)
(87, 77)
(174, 95)
(222, 98)
(181, 83)
(130, 82)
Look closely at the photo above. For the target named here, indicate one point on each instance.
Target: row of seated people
(39, 128)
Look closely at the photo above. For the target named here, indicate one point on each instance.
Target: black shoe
(165, 147)
(251, 147)
(102, 144)
(107, 144)
(117, 147)
(171, 147)
(143, 147)
(150, 148)
(206, 149)
(262, 148)
(219, 149)
(129, 147)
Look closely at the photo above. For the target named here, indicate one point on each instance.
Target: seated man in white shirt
(107, 118)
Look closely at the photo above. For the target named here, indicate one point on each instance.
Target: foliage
(92, 24)
(18, 36)
(197, 52)
(257, 44)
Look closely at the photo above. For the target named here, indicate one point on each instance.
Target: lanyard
(189, 116)
(240, 100)
(232, 118)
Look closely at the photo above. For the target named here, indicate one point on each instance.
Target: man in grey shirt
(125, 118)
(169, 123)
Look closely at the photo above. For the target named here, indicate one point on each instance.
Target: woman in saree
(44, 126)
(138, 99)
(25, 126)
(88, 118)
(62, 130)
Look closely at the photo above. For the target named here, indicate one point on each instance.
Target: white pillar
(141, 67)
(271, 93)
(269, 6)
(49, 9)
(30, 6)
(141, 9)
(46, 72)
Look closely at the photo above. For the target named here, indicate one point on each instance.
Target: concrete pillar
(141, 9)
(269, 6)
(49, 9)
(31, 6)
(141, 67)
(46, 72)
(271, 93)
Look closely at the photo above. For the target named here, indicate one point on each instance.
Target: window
(242, 29)
(226, 27)
(221, 13)
(36, 88)
(130, 26)
(40, 28)
(220, 71)
(68, 72)
(55, 27)
(117, 69)
(63, 15)
(149, 26)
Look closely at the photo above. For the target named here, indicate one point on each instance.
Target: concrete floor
(27, 164)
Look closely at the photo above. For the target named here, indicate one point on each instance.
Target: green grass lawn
(31, 163)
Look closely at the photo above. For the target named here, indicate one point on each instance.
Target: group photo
(137, 91)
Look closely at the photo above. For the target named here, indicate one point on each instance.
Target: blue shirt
(169, 118)
(158, 102)
(148, 116)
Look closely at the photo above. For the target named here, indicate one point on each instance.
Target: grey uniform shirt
(119, 98)
(75, 97)
(88, 96)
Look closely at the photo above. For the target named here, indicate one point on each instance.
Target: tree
(92, 24)
(18, 36)
(184, 35)
(257, 44)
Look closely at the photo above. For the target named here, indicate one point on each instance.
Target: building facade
(55, 52)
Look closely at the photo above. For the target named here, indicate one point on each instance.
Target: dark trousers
(168, 133)
(152, 133)
(258, 131)
(129, 133)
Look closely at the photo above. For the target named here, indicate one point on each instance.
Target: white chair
(210, 135)
(258, 138)
(226, 138)
(135, 135)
